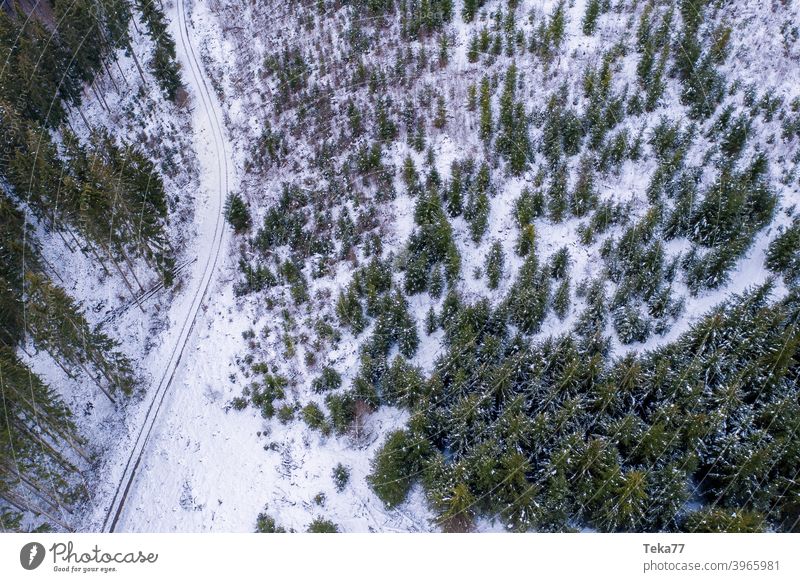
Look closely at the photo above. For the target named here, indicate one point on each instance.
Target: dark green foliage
(320, 525)
(431, 245)
(395, 466)
(264, 395)
(266, 524)
(783, 253)
(561, 299)
(723, 521)
(703, 86)
(342, 408)
(420, 18)
(584, 197)
(529, 297)
(403, 384)
(44, 72)
(12, 259)
(237, 213)
(528, 207)
(313, 416)
(329, 380)
(164, 66)
(394, 326)
(495, 261)
(731, 212)
(28, 402)
(286, 414)
(559, 263)
(57, 325)
(341, 476)
(590, 17)
(557, 195)
(526, 243)
(478, 205)
(387, 130)
(284, 223)
(623, 444)
(471, 8)
(562, 132)
(513, 141)
(485, 104)
(350, 311)
(431, 322)
(292, 72)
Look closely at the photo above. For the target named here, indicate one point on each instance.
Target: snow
(206, 467)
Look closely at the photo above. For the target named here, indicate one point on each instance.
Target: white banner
(408, 557)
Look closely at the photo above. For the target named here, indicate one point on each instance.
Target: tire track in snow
(198, 80)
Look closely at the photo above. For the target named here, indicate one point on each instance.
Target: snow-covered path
(213, 152)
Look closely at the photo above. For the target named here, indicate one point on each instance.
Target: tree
(561, 299)
(783, 253)
(494, 264)
(329, 380)
(237, 213)
(557, 195)
(314, 417)
(341, 476)
(485, 104)
(165, 68)
(266, 524)
(584, 197)
(529, 297)
(440, 119)
(513, 141)
(321, 525)
(470, 9)
(590, 17)
(395, 464)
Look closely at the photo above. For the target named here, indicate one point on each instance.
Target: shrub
(341, 476)
(329, 380)
(320, 525)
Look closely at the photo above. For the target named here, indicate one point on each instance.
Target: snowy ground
(207, 468)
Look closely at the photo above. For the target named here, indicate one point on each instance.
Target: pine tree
(783, 253)
(513, 141)
(237, 213)
(529, 297)
(494, 264)
(165, 68)
(399, 458)
(485, 103)
(590, 17)
(557, 195)
(561, 299)
(584, 198)
(440, 119)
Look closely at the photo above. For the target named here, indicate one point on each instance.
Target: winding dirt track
(209, 244)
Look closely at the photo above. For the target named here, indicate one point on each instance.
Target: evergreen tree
(513, 141)
(590, 17)
(494, 264)
(398, 460)
(557, 195)
(485, 104)
(237, 213)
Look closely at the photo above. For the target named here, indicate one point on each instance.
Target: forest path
(213, 151)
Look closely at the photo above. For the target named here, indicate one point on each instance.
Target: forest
(491, 265)
(557, 400)
(102, 198)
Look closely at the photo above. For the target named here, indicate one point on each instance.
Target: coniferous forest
(102, 198)
(489, 264)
